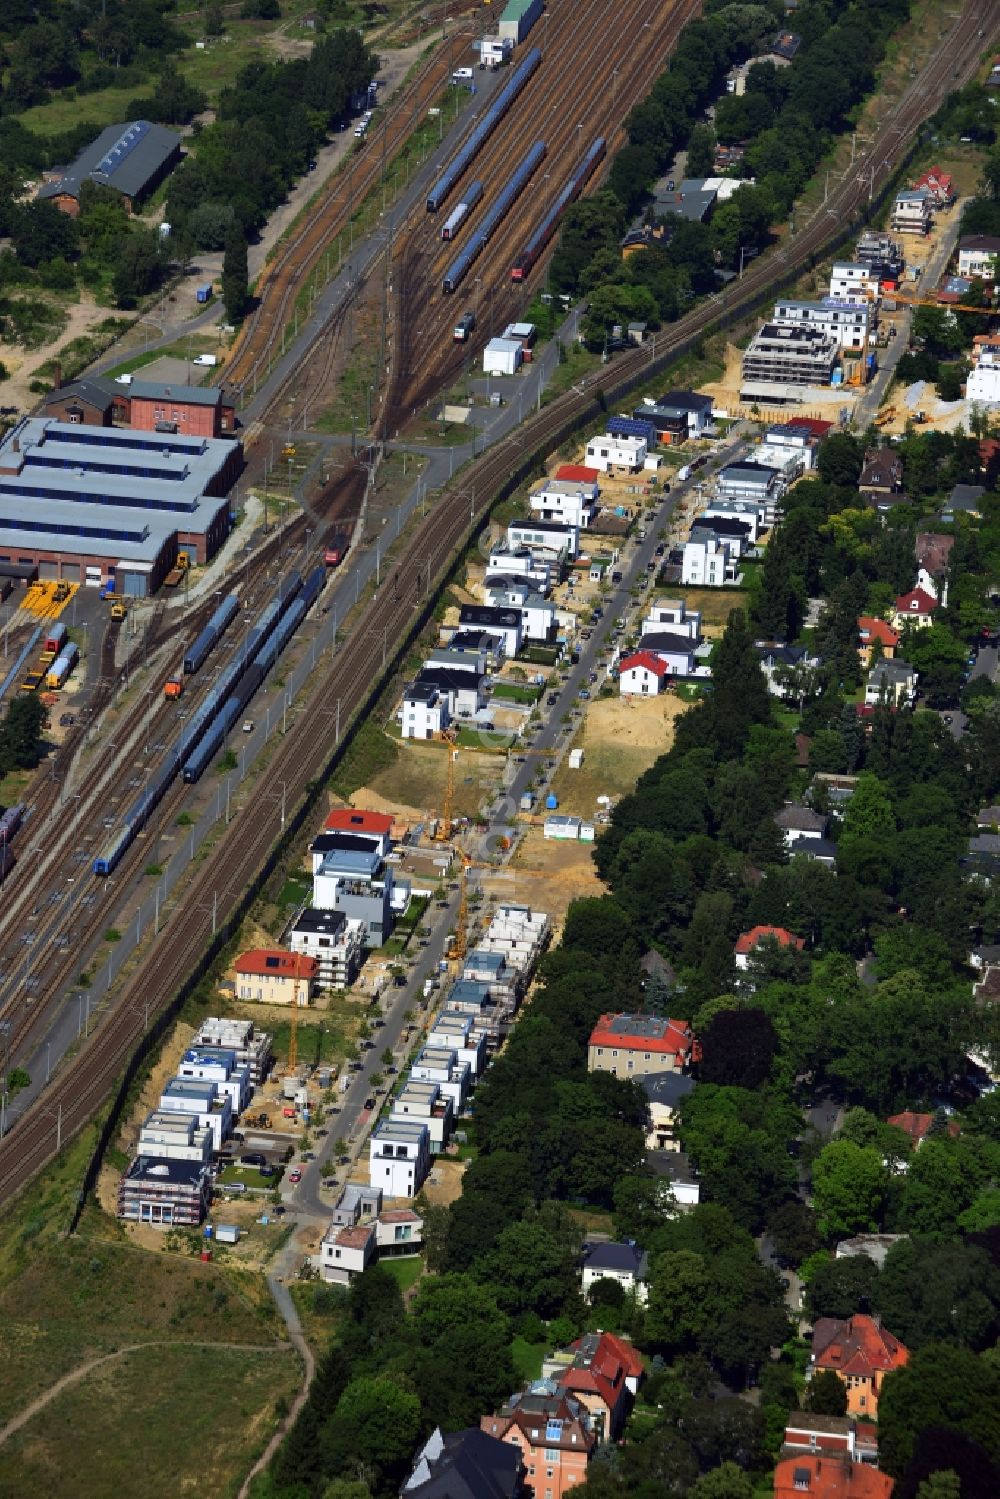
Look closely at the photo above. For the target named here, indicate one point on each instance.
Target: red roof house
(871, 629)
(356, 820)
(273, 976)
(862, 1352)
(747, 942)
(940, 185)
(633, 1045)
(917, 1126)
(604, 1375)
(916, 607)
(812, 1477)
(641, 675)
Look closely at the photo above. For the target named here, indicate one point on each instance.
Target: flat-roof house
(164, 1192)
(272, 976)
(633, 1045)
(572, 502)
(212, 1109)
(361, 885)
(399, 1156)
(709, 561)
(426, 1103)
(505, 624)
(335, 942)
(130, 159)
(912, 211)
(424, 712)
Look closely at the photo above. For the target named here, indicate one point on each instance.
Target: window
(551, 1455)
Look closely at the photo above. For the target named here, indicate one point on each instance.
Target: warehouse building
(131, 159)
(97, 504)
(780, 360)
(144, 405)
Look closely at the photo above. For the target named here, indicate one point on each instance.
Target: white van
(462, 75)
(208, 361)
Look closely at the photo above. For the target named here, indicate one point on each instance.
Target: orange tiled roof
(356, 820)
(871, 629)
(859, 1346)
(747, 941)
(275, 963)
(829, 1477)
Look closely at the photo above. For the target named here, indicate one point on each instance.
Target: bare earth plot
(621, 737)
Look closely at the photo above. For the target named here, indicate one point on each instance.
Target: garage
(49, 570)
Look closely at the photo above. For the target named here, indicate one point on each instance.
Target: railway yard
(196, 727)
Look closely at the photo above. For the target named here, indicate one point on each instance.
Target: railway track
(578, 92)
(300, 254)
(84, 1083)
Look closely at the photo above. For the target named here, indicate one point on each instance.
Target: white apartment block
(912, 211)
(853, 282)
(983, 385)
(251, 1046)
(215, 1064)
(571, 502)
(174, 1137)
(707, 564)
(399, 1157)
(425, 1103)
(547, 539)
(203, 1102)
(846, 323)
(785, 355)
(439, 1064)
(336, 941)
(459, 1032)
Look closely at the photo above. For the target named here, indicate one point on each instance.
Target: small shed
(575, 759)
(502, 356)
(227, 1233)
(562, 828)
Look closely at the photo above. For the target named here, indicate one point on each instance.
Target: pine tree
(739, 691)
(235, 273)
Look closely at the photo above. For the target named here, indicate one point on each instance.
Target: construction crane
(457, 947)
(444, 826)
(910, 301)
(293, 1044)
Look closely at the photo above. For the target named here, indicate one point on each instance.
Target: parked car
(369, 1103)
(254, 1158)
(295, 1175)
(552, 699)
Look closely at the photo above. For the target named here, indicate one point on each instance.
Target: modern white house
(336, 941)
(520, 562)
(912, 211)
(750, 481)
(176, 1137)
(425, 1103)
(399, 1157)
(851, 281)
(218, 1065)
(361, 1231)
(608, 452)
(538, 617)
(203, 1101)
(748, 512)
(708, 563)
(505, 624)
(359, 884)
(846, 322)
(441, 1065)
(673, 615)
(458, 1031)
(424, 712)
(982, 388)
(571, 502)
(554, 540)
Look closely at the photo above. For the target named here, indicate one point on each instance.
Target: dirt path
(23, 363)
(82, 1370)
(285, 1266)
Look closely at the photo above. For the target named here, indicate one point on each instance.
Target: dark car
(367, 1045)
(660, 549)
(391, 1070)
(369, 1103)
(616, 577)
(380, 1022)
(399, 979)
(266, 1170)
(552, 699)
(280, 1210)
(308, 1155)
(255, 1158)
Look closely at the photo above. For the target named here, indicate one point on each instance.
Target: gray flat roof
(351, 862)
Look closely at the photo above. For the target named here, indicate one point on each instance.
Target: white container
(227, 1233)
(575, 759)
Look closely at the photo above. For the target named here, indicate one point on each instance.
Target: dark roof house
(464, 1465)
(132, 159)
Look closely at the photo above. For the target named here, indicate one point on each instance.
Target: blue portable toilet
(551, 802)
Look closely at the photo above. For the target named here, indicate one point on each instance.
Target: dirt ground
(444, 1185)
(548, 875)
(414, 787)
(620, 738)
(23, 364)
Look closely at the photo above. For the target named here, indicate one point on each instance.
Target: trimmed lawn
(405, 1271)
(527, 1358)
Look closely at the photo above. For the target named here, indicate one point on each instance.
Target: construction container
(561, 828)
(227, 1233)
(551, 802)
(575, 759)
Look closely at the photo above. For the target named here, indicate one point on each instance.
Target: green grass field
(417, 778)
(528, 1358)
(405, 1271)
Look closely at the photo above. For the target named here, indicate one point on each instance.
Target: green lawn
(405, 1271)
(527, 1358)
(103, 107)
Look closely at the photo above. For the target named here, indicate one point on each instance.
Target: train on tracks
(207, 728)
(458, 215)
(9, 824)
(574, 187)
(477, 139)
(459, 268)
(210, 636)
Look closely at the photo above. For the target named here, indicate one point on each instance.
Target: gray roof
(485, 615)
(746, 473)
(125, 157)
(895, 670)
(626, 1258)
(667, 1088)
(800, 819)
(157, 1168)
(662, 640)
(465, 1465)
(94, 392)
(320, 923)
(821, 849)
(966, 497)
(782, 655)
(191, 395)
(352, 862)
(684, 400)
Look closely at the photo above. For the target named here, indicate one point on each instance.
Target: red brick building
(194, 410)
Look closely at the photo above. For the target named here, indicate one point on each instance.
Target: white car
(123, 379)
(248, 726)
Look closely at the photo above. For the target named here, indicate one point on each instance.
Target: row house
(425, 1104)
(251, 1047)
